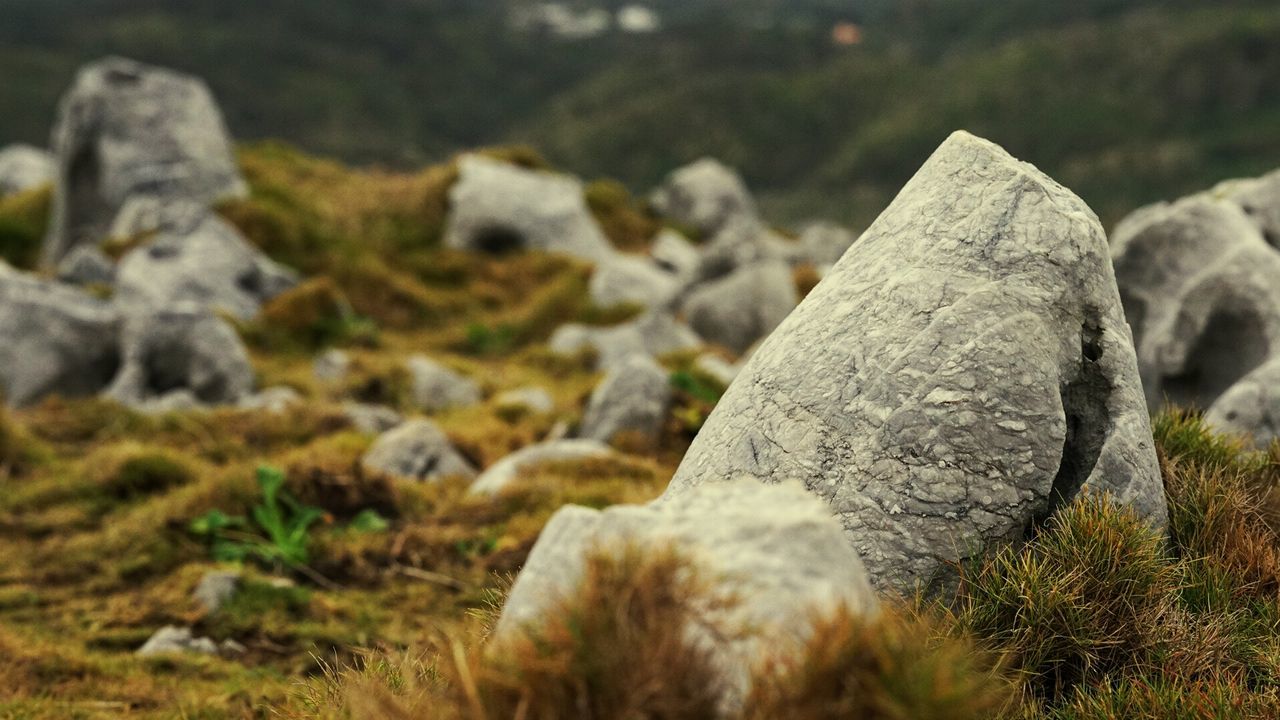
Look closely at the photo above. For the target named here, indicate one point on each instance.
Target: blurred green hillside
(1125, 101)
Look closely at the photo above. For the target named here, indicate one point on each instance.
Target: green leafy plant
(278, 534)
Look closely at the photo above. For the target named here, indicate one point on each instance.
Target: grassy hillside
(1123, 101)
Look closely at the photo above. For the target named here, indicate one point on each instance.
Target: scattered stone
(436, 387)
(1199, 287)
(743, 307)
(127, 129)
(173, 639)
(206, 262)
(87, 265)
(1251, 407)
(824, 243)
(774, 556)
(534, 400)
(371, 419)
(742, 242)
(216, 588)
(56, 339)
(506, 471)
(184, 348)
(331, 366)
(418, 450)
(633, 398)
(631, 280)
(675, 254)
(654, 333)
(23, 167)
(496, 207)
(703, 195)
(273, 400)
(964, 371)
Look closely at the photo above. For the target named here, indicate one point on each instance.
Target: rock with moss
(631, 280)
(1201, 290)
(772, 558)
(703, 195)
(434, 387)
(743, 307)
(1251, 407)
(506, 472)
(181, 352)
(655, 333)
(633, 398)
(197, 257)
(417, 450)
(496, 207)
(56, 339)
(125, 129)
(24, 167)
(534, 400)
(371, 419)
(963, 371)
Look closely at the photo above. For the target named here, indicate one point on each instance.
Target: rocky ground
(285, 438)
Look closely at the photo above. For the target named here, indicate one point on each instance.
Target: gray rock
(963, 371)
(703, 195)
(774, 555)
(743, 307)
(331, 366)
(742, 242)
(436, 387)
(504, 473)
(172, 639)
(497, 207)
(125, 129)
(534, 400)
(203, 260)
(1259, 198)
(371, 419)
(1200, 291)
(824, 243)
(633, 397)
(87, 265)
(675, 254)
(216, 588)
(630, 280)
(184, 348)
(56, 339)
(654, 333)
(418, 450)
(23, 167)
(1251, 407)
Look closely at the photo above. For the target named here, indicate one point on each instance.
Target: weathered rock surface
(184, 350)
(654, 333)
(962, 371)
(496, 207)
(778, 553)
(631, 280)
(419, 450)
(1199, 287)
(126, 129)
(436, 387)
(199, 258)
(23, 167)
(1251, 407)
(633, 398)
(53, 339)
(703, 195)
(743, 307)
(504, 473)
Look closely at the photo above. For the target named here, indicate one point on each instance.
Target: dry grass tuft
(23, 218)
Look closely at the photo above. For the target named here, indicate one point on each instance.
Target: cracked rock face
(124, 129)
(55, 339)
(496, 207)
(775, 550)
(418, 450)
(1198, 283)
(961, 372)
(181, 355)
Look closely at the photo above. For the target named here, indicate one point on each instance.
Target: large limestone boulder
(181, 356)
(964, 370)
(419, 450)
(1199, 287)
(194, 257)
(504, 473)
(126, 129)
(1251, 407)
(633, 398)
(703, 195)
(496, 207)
(434, 387)
(775, 555)
(53, 339)
(741, 308)
(23, 167)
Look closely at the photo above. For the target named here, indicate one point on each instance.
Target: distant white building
(638, 19)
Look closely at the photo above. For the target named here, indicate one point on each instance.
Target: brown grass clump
(328, 474)
(19, 452)
(623, 220)
(23, 218)
(806, 278)
(313, 315)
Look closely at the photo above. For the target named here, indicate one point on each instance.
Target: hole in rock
(1232, 344)
(499, 240)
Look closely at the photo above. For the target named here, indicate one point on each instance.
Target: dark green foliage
(146, 473)
(23, 219)
(278, 535)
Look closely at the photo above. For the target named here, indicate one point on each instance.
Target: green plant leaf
(369, 521)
